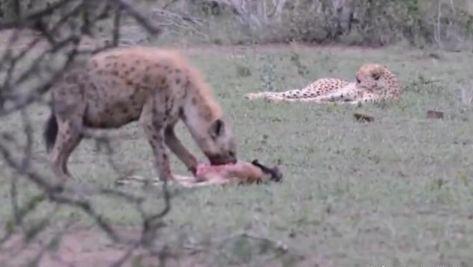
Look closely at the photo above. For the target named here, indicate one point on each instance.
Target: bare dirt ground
(76, 248)
(85, 247)
(26, 37)
(80, 247)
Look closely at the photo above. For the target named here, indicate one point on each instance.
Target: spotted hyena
(155, 86)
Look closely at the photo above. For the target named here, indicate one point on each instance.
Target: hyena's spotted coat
(157, 87)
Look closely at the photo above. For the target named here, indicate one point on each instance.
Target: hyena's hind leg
(69, 135)
(65, 126)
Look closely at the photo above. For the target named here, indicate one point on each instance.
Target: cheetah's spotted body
(374, 83)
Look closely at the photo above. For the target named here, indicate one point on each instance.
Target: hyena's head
(219, 143)
(206, 122)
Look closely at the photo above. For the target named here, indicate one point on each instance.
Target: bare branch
(26, 77)
(138, 16)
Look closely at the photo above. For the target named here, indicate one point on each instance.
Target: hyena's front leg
(154, 124)
(177, 148)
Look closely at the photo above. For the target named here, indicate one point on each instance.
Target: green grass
(394, 192)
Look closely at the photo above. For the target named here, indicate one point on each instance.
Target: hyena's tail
(50, 132)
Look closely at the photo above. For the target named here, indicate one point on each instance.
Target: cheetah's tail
(253, 96)
(270, 96)
(50, 132)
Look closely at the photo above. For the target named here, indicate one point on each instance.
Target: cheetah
(156, 87)
(374, 83)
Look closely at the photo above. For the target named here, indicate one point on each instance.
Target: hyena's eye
(217, 128)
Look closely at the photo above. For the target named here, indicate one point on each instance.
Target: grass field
(394, 192)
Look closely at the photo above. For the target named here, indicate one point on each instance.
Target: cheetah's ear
(217, 128)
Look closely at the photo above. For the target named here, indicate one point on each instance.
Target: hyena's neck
(200, 108)
(199, 112)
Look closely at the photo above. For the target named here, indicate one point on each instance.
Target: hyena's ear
(217, 128)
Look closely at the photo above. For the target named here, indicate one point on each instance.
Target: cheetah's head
(373, 77)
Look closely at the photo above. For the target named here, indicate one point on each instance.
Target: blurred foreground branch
(42, 42)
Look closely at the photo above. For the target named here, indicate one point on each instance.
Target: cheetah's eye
(376, 76)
